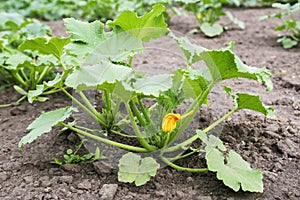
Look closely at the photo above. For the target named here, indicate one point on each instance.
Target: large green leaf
(91, 40)
(44, 123)
(210, 141)
(90, 33)
(46, 60)
(222, 64)
(15, 18)
(133, 168)
(211, 30)
(149, 26)
(191, 51)
(85, 35)
(121, 92)
(194, 81)
(15, 59)
(46, 46)
(235, 172)
(118, 47)
(153, 85)
(251, 102)
(34, 28)
(91, 76)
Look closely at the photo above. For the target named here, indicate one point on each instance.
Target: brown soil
(269, 145)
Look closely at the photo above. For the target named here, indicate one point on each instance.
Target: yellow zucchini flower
(199, 16)
(169, 121)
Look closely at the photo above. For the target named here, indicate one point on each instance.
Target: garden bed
(269, 145)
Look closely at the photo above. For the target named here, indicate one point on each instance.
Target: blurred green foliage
(87, 10)
(290, 23)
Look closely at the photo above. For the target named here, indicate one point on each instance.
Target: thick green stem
(52, 91)
(130, 60)
(17, 102)
(17, 76)
(101, 120)
(21, 99)
(83, 107)
(116, 107)
(195, 137)
(122, 134)
(88, 103)
(5, 105)
(88, 129)
(213, 125)
(62, 64)
(137, 113)
(144, 111)
(142, 140)
(24, 75)
(106, 141)
(33, 78)
(194, 106)
(179, 168)
(184, 155)
(182, 144)
(43, 74)
(166, 142)
(107, 100)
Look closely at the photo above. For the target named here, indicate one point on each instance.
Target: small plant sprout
(72, 157)
(103, 62)
(289, 23)
(208, 15)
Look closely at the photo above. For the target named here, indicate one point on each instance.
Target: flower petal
(169, 122)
